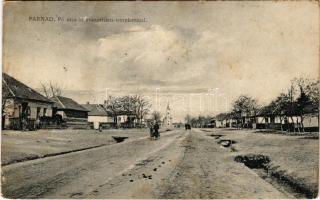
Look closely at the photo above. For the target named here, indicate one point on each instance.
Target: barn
(70, 112)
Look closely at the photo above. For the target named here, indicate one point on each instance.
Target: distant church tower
(167, 119)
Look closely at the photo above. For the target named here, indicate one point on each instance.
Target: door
(96, 125)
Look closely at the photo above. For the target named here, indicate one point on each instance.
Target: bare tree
(245, 106)
(201, 121)
(139, 106)
(312, 91)
(156, 116)
(51, 89)
(302, 95)
(194, 122)
(308, 97)
(280, 107)
(135, 105)
(114, 105)
(187, 118)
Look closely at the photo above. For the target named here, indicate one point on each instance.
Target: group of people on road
(154, 131)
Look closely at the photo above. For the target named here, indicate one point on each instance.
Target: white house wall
(277, 120)
(96, 120)
(33, 109)
(295, 119)
(260, 120)
(12, 109)
(311, 121)
(104, 119)
(122, 118)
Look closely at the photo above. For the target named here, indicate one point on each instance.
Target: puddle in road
(144, 162)
(253, 160)
(226, 143)
(76, 195)
(119, 139)
(216, 136)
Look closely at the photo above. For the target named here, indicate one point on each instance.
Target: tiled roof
(67, 104)
(223, 116)
(311, 109)
(96, 110)
(11, 87)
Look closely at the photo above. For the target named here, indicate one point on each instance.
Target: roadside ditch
(263, 166)
(280, 179)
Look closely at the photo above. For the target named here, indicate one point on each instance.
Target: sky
(196, 56)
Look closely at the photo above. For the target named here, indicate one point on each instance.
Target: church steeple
(167, 119)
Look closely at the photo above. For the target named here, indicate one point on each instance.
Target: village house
(125, 119)
(70, 112)
(22, 107)
(212, 123)
(178, 124)
(266, 119)
(221, 120)
(99, 116)
(311, 122)
(234, 120)
(311, 118)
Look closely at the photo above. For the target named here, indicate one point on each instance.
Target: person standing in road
(151, 131)
(156, 131)
(100, 128)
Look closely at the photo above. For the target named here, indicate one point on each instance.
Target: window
(44, 111)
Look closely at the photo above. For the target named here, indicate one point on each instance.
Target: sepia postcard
(160, 100)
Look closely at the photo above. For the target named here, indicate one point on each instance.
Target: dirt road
(182, 164)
